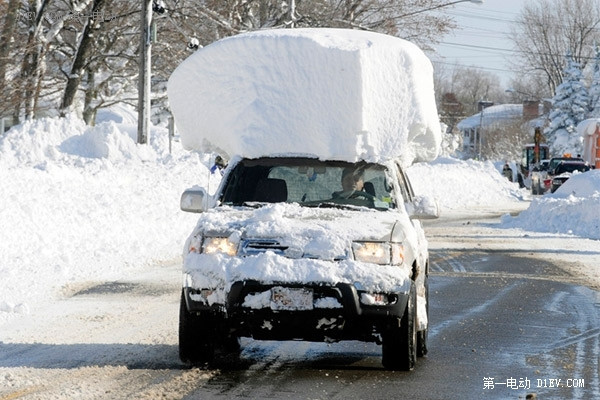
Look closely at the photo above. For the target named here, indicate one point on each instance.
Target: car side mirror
(195, 200)
(423, 207)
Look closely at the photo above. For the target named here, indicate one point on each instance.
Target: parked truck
(532, 173)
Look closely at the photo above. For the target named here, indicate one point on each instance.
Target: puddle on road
(496, 262)
(93, 289)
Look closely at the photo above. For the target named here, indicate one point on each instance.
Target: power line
(480, 17)
(480, 47)
(463, 28)
(510, 50)
(502, 20)
(486, 9)
(472, 66)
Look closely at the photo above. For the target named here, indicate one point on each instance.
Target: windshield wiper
(329, 204)
(253, 204)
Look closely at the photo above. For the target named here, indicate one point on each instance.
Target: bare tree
(11, 16)
(451, 110)
(38, 24)
(82, 55)
(409, 19)
(64, 58)
(11, 12)
(506, 140)
(32, 63)
(467, 86)
(547, 29)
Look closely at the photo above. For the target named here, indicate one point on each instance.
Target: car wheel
(422, 335)
(399, 348)
(197, 336)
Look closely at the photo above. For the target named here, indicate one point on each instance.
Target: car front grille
(256, 246)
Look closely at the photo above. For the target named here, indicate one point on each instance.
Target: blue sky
(481, 39)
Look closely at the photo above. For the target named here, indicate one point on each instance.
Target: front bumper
(349, 319)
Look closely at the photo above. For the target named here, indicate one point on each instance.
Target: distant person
(507, 172)
(219, 165)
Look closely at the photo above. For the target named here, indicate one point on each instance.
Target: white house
(478, 129)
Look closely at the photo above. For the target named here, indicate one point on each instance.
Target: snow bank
(574, 209)
(331, 93)
(463, 185)
(83, 203)
(68, 141)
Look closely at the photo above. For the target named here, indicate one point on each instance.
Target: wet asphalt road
(505, 323)
(503, 326)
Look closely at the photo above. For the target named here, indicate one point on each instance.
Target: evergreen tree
(570, 106)
(594, 90)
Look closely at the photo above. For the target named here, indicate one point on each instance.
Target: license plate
(291, 299)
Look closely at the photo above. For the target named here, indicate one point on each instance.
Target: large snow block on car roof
(331, 93)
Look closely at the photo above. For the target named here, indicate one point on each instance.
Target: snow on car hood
(317, 237)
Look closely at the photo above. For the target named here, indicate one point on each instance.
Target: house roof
(492, 115)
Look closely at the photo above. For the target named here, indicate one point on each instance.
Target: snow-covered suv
(283, 252)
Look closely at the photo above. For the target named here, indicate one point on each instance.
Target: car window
(571, 167)
(555, 162)
(404, 185)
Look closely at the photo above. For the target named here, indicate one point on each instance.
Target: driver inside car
(352, 181)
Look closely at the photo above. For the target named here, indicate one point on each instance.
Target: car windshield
(555, 162)
(571, 167)
(308, 182)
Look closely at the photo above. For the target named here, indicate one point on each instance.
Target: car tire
(422, 335)
(197, 336)
(399, 347)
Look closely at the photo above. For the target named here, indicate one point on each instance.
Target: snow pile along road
(462, 186)
(81, 203)
(574, 209)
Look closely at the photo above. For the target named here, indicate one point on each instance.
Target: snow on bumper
(219, 272)
(315, 312)
(269, 296)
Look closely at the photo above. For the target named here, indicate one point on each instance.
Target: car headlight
(212, 245)
(378, 252)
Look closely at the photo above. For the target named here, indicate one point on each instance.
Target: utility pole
(145, 73)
